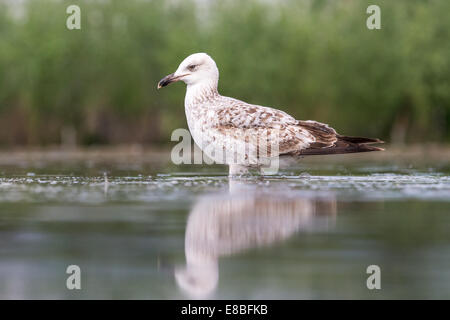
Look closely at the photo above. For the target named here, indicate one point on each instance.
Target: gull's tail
(344, 144)
(329, 142)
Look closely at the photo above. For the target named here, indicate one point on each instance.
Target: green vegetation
(313, 59)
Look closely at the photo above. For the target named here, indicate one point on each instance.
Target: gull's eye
(192, 67)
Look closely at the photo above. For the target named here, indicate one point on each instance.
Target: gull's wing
(252, 124)
(247, 123)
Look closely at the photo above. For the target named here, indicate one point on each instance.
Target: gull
(244, 135)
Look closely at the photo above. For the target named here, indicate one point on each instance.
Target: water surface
(164, 232)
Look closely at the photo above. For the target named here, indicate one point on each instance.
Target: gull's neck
(200, 93)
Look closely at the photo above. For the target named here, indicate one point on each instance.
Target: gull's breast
(201, 120)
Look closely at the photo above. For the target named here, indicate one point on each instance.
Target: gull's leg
(237, 170)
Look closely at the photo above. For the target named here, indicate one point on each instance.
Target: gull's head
(198, 68)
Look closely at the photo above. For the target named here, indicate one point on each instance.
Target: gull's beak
(169, 79)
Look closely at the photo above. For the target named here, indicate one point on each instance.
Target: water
(162, 232)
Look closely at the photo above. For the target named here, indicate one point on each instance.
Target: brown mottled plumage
(222, 124)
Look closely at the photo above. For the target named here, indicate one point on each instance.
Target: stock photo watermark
(373, 22)
(73, 22)
(374, 280)
(73, 281)
(234, 147)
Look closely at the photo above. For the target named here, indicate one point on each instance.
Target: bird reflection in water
(248, 217)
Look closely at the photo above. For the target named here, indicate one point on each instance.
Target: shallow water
(159, 232)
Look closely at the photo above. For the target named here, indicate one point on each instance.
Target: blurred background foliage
(315, 59)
